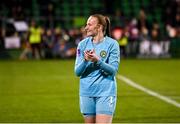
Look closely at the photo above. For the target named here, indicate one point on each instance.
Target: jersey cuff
(85, 61)
(98, 63)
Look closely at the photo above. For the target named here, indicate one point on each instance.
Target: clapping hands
(90, 55)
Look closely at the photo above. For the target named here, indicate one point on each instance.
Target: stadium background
(62, 21)
(47, 90)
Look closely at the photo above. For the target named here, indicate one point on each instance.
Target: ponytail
(107, 27)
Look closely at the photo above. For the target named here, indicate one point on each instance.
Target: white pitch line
(150, 92)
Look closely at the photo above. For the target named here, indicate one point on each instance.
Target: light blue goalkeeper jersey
(98, 79)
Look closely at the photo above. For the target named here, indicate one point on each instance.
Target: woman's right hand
(87, 56)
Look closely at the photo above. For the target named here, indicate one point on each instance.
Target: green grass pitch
(47, 91)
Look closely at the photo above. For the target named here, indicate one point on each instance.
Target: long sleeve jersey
(98, 78)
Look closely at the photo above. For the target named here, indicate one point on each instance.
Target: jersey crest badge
(103, 53)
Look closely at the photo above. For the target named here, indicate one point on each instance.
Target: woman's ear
(100, 27)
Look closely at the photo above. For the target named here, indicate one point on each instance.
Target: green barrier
(10, 54)
(175, 47)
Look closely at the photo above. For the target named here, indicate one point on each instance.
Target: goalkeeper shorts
(91, 106)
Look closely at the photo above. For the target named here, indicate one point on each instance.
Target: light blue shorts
(91, 106)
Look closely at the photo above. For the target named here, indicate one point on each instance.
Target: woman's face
(92, 26)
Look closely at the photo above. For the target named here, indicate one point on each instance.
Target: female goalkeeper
(97, 61)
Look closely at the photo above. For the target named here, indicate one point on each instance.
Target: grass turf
(47, 91)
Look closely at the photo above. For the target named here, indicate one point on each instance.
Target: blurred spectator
(35, 33)
(120, 35)
(142, 21)
(58, 39)
(1, 40)
(144, 48)
(133, 37)
(156, 45)
(27, 52)
(119, 19)
(123, 42)
(3, 52)
(64, 48)
(48, 43)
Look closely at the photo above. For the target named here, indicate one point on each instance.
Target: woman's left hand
(92, 56)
